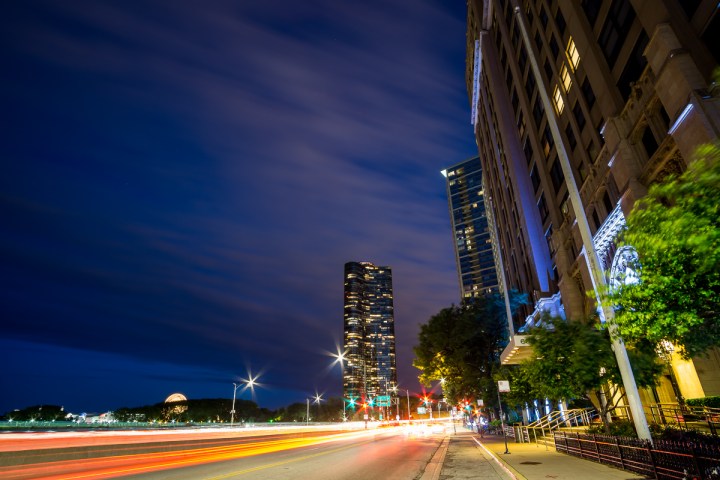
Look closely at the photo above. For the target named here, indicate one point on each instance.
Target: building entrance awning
(517, 350)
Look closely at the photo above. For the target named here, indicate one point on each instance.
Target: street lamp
(397, 402)
(249, 383)
(407, 393)
(318, 398)
(592, 259)
(340, 358)
(232, 412)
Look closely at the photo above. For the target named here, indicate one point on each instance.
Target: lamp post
(318, 398)
(340, 358)
(249, 383)
(591, 257)
(502, 418)
(407, 392)
(232, 412)
(397, 402)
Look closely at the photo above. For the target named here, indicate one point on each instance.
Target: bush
(712, 402)
(618, 428)
(673, 433)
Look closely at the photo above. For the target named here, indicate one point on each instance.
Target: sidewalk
(469, 456)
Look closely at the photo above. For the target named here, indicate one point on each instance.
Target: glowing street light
(317, 399)
(246, 383)
(340, 358)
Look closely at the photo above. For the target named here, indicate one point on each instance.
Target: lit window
(565, 78)
(557, 98)
(572, 54)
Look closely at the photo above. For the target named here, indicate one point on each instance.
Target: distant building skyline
(369, 332)
(477, 272)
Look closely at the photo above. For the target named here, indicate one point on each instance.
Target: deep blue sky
(182, 183)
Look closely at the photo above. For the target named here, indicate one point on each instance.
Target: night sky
(182, 183)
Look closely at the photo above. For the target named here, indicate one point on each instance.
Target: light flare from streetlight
(339, 357)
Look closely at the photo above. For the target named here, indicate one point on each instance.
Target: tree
(675, 230)
(575, 360)
(461, 346)
(38, 413)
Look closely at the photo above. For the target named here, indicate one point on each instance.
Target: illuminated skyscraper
(471, 235)
(369, 332)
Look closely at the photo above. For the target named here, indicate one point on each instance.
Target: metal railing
(686, 417)
(664, 460)
(554, 420)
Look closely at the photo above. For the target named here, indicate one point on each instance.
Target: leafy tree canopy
(575, 360)
(461, 346)
(676, 232)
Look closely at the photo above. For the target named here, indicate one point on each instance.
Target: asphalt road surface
(392, 453)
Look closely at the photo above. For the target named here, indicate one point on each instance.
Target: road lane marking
(284, 462)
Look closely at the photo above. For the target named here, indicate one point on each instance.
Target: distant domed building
(176, 397)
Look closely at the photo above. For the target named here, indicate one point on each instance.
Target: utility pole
(591, 256)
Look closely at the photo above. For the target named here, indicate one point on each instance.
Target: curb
(503, 464)
(434, 466)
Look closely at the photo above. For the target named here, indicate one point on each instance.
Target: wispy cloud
(187, 183)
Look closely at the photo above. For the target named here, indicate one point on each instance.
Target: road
(391, 453)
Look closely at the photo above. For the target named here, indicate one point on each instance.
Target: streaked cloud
(186, 183)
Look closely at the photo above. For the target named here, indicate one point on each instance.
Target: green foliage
(330, 410)
(295, 412)
(677, 434)
(676, 232)
(712, 402)
(522, 386)
(201, 410)
(574, 360)
(619, 428)
(38, 413)
(461, 346)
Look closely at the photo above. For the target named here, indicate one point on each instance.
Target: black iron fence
(665, 459)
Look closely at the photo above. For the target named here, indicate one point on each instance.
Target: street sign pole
(503, 386)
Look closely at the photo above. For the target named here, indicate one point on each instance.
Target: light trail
(18, 441)
(121, 465)
(277, 464)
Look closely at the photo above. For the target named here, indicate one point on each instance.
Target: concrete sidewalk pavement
(469, 456)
